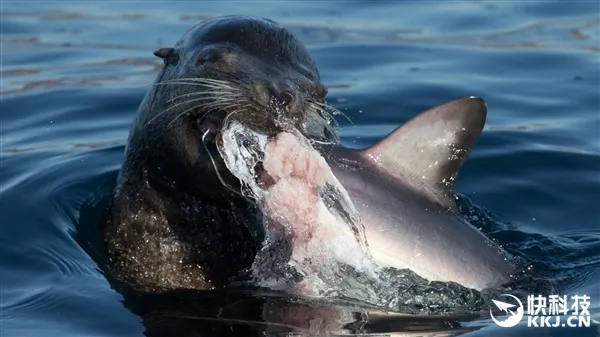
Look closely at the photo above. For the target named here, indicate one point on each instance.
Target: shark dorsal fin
(429, 150)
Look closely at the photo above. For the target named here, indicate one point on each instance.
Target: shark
(403, 188)
(397, 194)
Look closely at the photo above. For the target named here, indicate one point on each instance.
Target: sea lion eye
(207, 56)
(223, 55)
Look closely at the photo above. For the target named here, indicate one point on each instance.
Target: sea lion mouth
(199, 108)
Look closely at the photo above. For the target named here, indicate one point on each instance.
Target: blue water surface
(74, 72)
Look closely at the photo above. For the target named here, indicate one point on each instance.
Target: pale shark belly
(403, 232)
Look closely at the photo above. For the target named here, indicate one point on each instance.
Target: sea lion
(174, 220)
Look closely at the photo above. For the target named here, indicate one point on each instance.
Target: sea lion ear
(163, 53)
(168, 55)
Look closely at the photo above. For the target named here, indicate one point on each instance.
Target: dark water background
(73, 74)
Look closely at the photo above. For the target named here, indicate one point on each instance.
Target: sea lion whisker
(178, 82)
(226, 119)
(330, 108)
(185, 102)
(331, 124)
(202, 85)
(329, 118)
(198, 79)
(224, 84)
(213, 105)
(326, 107)
(199, 84)
(181, 114)
(204, 98)
(217, 103)
(213, 110)
(225, 107)
(235, 78)
(204, 93)
(212, 160)
(195, 79)
(216, 83)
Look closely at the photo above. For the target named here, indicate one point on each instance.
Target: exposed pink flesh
(292, 201)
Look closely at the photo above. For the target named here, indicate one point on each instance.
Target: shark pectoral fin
(429, 150)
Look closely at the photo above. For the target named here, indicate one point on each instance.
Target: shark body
(403, 189)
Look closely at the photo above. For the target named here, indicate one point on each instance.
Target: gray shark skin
(403, 189)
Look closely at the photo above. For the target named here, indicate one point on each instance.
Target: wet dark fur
(171, 223)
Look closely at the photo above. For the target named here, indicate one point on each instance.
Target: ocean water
(74, 72)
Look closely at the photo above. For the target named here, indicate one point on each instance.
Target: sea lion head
(228, 68)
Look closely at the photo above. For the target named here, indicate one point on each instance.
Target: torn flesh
(301, 201)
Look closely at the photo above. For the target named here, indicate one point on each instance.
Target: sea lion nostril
(286, 98)
(267, 92)
(287, 95)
